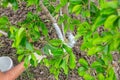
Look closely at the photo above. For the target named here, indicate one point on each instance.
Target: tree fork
(55, 25)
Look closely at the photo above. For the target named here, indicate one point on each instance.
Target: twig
(116, 69)
(89, 4)
(3, 33)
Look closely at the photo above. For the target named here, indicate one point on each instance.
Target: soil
(41, 72)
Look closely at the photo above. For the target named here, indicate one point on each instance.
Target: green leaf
(108, 38)
(33, 60)
(29, 46)
(86, 44)
(107, 11)
(20, 57)
(111, 74)
(88, 77)
(14, 4)
(55, 71)
(55, 42)
(19, 36)
(4, 3)
(58, 62)
(72, 58)
(98, 67)
(63, 2)
(13, 30)
(100, 76)
(26, 61)
(20, 51)
(50, 50)
(101, 3)
(57, 52)
(58, 7)
(3, 20)
(110, 4)
(95, 64)
(72, 61)
(33, 57)
(97, 41)
(77, 9)
(64, 65)
(68, 49)
(46, 49)
(109, 23)
(119, 22)
(34, 33)
(119, 2)
(75, 1)
(118, 12)
(85, 13)
(93, 8)
(82, 71)
(44, 29)
(46, 62)
(32, 2)
(83, 62)
(98, 22)
(107, 58)
(94, 50)
(116, 44)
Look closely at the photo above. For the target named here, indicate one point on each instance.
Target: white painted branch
(63, 30)
(3, 33)
(54, 22)
(57, 28)
(58, 31)
(71, 39)
(62, 24)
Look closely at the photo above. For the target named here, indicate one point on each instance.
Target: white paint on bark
(58, 31)
(71, 39)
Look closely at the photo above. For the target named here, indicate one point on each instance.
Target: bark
(71, 37)
(55, 25)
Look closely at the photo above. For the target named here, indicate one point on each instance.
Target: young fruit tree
(95, 24)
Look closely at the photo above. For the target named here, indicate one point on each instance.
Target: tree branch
(62, 24)
(57, 28)
(71, 37)
(55, 25)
